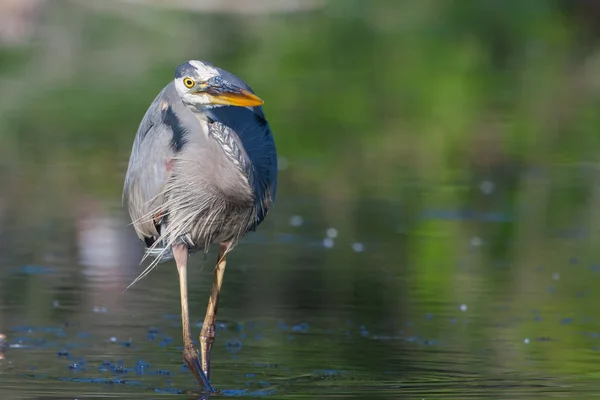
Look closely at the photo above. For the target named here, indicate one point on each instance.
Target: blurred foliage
(409, 103)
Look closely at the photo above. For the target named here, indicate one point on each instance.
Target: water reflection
(109, 253)
(105, 241)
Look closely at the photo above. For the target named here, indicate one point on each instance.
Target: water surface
(309, 310)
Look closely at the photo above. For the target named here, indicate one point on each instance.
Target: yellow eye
(188, 82)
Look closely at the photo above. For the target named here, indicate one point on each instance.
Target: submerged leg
(190, 354)
(207, 335)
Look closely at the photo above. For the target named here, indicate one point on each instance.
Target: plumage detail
(178, 138)
(226, 138)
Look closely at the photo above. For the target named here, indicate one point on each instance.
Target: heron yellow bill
(241, 98)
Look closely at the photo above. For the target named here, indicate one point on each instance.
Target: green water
(298, 318)
(434, 235)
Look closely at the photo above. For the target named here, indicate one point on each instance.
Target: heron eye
(189, 83)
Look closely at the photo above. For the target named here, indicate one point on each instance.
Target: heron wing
(148, 171)
(251, 131)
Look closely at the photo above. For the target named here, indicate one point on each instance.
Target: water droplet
(486, 187)
(364, 331)
(281, 325)
(526, 341)
(233, 345)
(328, 242)
(113, 339)
(75, 367)
(296, 220)
(63, 353)
(152, 333)
(358, 247)
(302, 327)
(332, 233)
(463, 307)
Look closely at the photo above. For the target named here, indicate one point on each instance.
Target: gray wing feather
(147, 173)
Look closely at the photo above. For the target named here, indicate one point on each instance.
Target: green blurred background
(456, 141)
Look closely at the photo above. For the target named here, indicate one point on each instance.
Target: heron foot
(191, 359)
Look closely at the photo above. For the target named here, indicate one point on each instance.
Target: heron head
(201, 85)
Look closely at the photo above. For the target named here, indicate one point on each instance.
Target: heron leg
(207, 335)
(190, 354)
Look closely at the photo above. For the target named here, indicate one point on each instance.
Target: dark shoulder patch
(179, 132)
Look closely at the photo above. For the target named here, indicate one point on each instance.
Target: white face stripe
(204, 71)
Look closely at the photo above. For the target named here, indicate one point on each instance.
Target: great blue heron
(203, 169)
